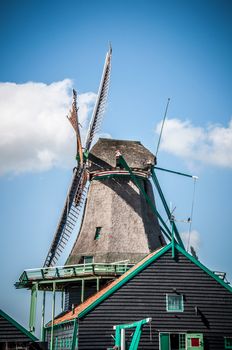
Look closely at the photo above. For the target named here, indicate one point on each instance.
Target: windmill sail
(77, 190)
(73, 118)
(100, 104)
(69, 216)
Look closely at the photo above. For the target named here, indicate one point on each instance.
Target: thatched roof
(136, 155)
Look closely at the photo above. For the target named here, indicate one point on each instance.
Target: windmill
(120, 223)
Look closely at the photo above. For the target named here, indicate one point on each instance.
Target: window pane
(174, 302)
(88, 259)
(228, 343)
(97, 233)
(195, 342)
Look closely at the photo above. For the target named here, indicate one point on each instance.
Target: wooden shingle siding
(62, 332)
(207, 306)
(8, 332)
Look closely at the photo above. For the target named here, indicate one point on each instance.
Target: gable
(191, 265)
(207, 304)
(10, 330)
(138, 268)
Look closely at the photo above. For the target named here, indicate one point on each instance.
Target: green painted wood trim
(144, 265)
(18, 326)
(139, 269)
(174, 310)
(169, 215)
(228, 342)
(137, 333)
(204, 268)
(173, 172)
(148, 199)
(33, 306)
(71, 280)
(103, 177)
(75, 327)
(48, 327)
(125, 279)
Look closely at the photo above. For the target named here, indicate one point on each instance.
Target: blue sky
(161, 49)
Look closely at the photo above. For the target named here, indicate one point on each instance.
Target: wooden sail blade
(73, 118)
(100, 104)
(69, 216)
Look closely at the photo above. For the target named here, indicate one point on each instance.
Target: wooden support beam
(53, 315)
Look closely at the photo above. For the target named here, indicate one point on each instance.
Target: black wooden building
(190, 307)
(15, 336)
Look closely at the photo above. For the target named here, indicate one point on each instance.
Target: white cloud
(35, 134)
(191, 240)
(210, 145)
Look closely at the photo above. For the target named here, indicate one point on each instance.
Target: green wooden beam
(75, 327)
(169, 215)
(33, 305)
(82, 290)
(137, 334)
(53, 315)
(148, 199)
(174, 172)
(43, 317)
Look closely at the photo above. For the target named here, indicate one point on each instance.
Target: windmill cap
(103, 154)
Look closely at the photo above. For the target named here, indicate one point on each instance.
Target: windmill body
(118, 224)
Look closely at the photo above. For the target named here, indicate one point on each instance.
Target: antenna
(192, 207)
(161, 131)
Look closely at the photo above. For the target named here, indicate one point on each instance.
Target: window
(174, 303)
(182, 341)
(228, 342)
(97, 233)
(88, 259)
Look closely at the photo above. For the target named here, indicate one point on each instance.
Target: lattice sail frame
(78, 188)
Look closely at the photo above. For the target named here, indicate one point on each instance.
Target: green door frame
(199, 336)
(165, 343)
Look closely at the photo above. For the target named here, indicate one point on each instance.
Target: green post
(118, 336)
(43, 317)
(53, 314)
(136, 337)
(137, 334)
(98, 284)
(75, 327)
(62, 300)
(148, 199)
(82, 290)
(174, 228)
(33, 305)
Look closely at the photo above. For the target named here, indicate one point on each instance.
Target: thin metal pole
(123, 339)
(53, 313)
(191, 215)
(43, 316)
(161, 131)
(173, 242)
